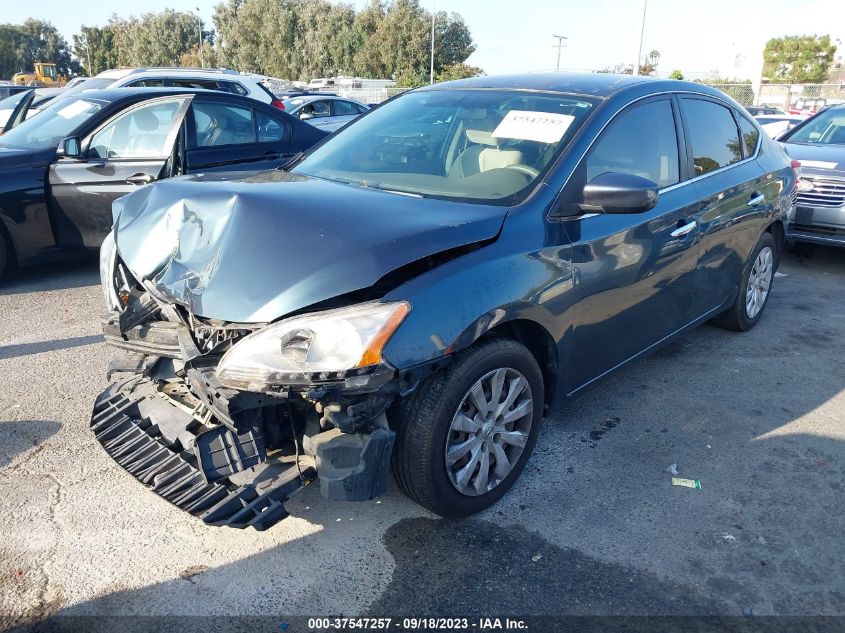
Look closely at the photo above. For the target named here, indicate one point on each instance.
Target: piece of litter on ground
(673, 468)
(708, 446)
(536, 557)
(686, 483)
(781, 275)
(728, 537)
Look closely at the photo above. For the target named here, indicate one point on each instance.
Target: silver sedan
(328, 113)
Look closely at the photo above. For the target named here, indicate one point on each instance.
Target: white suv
(208, 78)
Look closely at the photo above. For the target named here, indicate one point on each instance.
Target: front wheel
(464, 437)
(755, 285)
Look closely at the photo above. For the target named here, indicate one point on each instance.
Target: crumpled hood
(256, 247)
(818, 159)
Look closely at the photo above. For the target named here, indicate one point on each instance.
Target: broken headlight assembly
(343, 344)
(108, 254)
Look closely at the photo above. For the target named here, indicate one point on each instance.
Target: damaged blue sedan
(414, 293)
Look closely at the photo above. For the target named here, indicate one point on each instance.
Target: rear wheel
(4, 254)
(754, 288)
(466, 434)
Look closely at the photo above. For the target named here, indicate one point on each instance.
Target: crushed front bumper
(131, 420)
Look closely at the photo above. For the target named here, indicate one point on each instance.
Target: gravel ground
(594, 525)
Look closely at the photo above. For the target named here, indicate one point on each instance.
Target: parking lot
(593, 527)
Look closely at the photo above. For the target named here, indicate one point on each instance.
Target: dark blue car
(61, 169)
(420, 288)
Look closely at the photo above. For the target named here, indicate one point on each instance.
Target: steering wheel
(524, 169)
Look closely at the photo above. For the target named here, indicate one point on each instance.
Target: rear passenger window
(207, 84)
(641, 141)
(270, 129)
(713, 134)
(147, 83)
(219, 124)
(750, 136)
(234, 87)
(345, 108)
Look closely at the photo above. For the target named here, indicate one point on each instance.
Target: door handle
(686, 229)
(140, 179)
(756, 198)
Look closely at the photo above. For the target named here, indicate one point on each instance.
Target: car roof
(133, 93)
(581, 83)
(307, 98)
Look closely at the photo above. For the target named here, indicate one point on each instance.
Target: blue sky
(516, 35)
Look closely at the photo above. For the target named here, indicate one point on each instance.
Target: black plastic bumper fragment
(126, 422)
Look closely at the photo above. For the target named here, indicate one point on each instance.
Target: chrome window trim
(670, 187)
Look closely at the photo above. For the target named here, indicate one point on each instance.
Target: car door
(227, 136)
(130, 149)
(319, 114)
(634, 273)
(733, 190)
(18, 114)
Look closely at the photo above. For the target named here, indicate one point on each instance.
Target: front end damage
(249, 317)
(232, 456)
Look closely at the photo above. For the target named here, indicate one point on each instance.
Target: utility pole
(199, 19)
(640, 49)
(560, 44)
(433, 18)
(88, 50)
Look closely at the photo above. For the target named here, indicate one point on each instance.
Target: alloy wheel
(489, 431)
(759, 282)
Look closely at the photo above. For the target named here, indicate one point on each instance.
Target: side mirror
(619, 193)
(70, 148)
(304, 116)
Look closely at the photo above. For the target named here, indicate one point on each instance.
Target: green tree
(458, 71)
(94, 47)
(34, 41)
(155, 39)
(302, 39)
(676, 74)
(798, 58)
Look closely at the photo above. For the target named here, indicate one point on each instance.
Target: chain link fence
(809, 97)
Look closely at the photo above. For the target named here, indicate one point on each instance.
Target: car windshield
(293, 103)
(826, 128)
(57, 121)
(470, 145)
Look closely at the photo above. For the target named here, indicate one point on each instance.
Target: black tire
(4, 255)
(424, 419)
(736, 317)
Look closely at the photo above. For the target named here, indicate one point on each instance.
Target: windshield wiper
(293, 160)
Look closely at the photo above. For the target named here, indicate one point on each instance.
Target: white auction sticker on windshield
(77, 107)
(525, 125)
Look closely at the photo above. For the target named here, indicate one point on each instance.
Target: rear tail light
(277, 104)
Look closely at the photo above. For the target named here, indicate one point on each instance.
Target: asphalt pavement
(593, 527)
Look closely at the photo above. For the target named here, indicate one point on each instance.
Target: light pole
(433, 18)
(199, 20)
(640, 49)
(560, 44)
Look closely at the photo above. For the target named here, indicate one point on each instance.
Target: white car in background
(326, 112)
(776, 124)
(208, 78)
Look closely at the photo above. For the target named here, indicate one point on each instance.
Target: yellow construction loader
(45, 75)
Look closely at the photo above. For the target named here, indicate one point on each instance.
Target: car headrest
(482, 137)
(145, 120)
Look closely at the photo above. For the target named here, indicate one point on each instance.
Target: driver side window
(139, 133)
(641, 141)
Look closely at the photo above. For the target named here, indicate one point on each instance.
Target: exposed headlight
(108, 253)
(332, 345)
